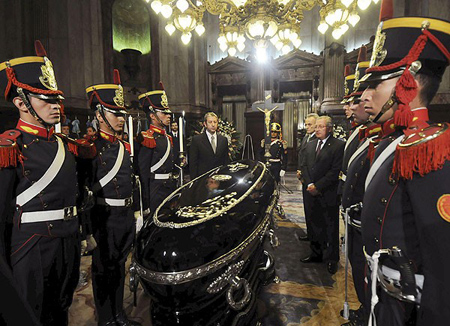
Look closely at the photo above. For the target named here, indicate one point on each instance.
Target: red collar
(34, 130)
(388, 127)
(372, 130)
(420, 114)
(157, 129)
(109, 137)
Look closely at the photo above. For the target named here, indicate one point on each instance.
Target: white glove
(91, 243)
(282, 173)
(139, 221)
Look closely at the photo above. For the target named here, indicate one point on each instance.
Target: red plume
(362, 56)
(387, 10)
(161, 86)
(116, 77)
(347, 71)
(39, 48)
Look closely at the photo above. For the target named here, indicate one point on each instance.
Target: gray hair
(312, 115)
(327, 119)
(210, 114)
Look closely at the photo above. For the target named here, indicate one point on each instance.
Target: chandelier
(337, 14)
(263, 22)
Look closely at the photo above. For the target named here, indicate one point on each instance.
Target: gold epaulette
(285, 144)
(10, 152)
(422, 150)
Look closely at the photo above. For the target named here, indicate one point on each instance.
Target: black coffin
(201, 256)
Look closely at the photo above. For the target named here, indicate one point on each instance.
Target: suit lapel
(325, 148)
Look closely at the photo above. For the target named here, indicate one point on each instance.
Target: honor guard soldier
(357, 167)
(278, 152)
(155, 151)
(406, 215)
(353, 139)
(38, 192)
(111, 179)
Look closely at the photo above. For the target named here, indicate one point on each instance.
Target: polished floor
(306, 294)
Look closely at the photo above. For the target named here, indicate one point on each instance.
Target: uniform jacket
(350, 148)
(353, 188)
(37, 149)
(150, 149)
(407, 213)
(121, 186)
(201, 155)
(278, 151)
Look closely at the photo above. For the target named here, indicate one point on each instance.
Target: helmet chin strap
(30, 109)
(101, 110)
(158, 119)
(389, 104)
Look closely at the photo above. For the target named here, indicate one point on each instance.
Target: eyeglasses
(320, 127)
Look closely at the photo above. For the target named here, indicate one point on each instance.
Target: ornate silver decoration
(208, 207)
(236, 284)
(223, 280)
(274, 242)
(216, 206)
(213, 266)
(221, 177)
(234, 167)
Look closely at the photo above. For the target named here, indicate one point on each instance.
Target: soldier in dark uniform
(111, 180)
(278, 152)
(405, 218)
(353, 139)
(353, 189)
(155, 151)
(38, 193)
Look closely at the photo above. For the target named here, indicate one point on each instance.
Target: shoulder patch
(10, 152)
(423, 150)
(443, 207)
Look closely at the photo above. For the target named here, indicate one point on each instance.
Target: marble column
(333, 78)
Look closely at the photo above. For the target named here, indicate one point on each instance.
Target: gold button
(383, 200)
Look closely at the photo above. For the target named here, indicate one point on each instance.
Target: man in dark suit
(310, 126)
(209, 149)
(320, 171)
(174, 132)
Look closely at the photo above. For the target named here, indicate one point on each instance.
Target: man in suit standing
(209, 149)
(320, 171)
(310, 125)
(176, 141)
